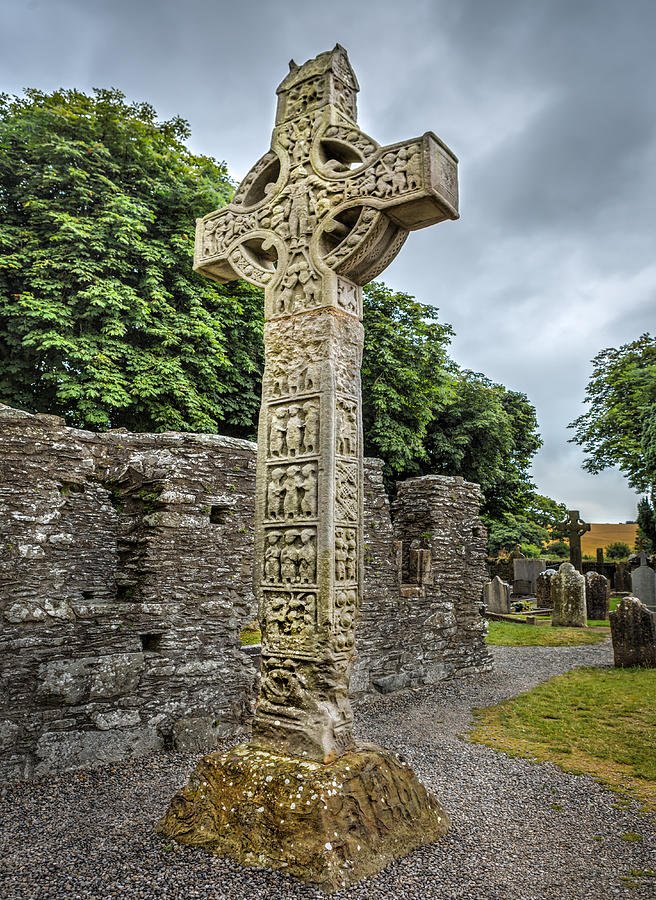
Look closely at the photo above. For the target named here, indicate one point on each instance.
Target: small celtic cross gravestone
(575, 528)
(323, 212)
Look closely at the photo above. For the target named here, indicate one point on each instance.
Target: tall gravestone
(597, 595)
(568, 597)
(525, 571)
(633, 630)
(643, 583)
(543, 587)
(496, 596)
(323, 212)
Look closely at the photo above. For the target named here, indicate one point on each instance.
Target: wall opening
(151, 643)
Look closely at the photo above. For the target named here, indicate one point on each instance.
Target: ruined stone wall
(124, 580)
(125, 576)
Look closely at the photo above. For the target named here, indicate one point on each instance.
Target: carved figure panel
(346, 555)
(290, 556)
(346, 427)
(291, 492)
(346, 491)
(293, 430)
(290, 613)
(296, 358)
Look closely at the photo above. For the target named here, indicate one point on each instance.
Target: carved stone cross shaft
(322, 213)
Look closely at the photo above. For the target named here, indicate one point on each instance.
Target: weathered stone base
(329, 825)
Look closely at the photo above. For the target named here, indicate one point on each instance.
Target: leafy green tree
(646, 538)
(619, 427)
(558, 548)
(618, 550)
(489, 435)
(510, 530)
(405, 376)
(546, 512)
(101, 318)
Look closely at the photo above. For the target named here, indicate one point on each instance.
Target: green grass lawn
(599, 722)
(250, 634)
(509, 634)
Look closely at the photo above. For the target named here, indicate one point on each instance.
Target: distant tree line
(103, 321)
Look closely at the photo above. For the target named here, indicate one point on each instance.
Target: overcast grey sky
(549, 105)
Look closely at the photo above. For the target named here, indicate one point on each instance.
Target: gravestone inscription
(323, 212)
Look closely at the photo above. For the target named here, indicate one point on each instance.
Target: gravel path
(90, 834)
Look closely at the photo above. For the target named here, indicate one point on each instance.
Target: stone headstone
(600, 556)
(543, 588)
(322, 213)
(622, 579)
(633, 630)
(643, 584)
(496, 596)
(568, 597)
(597, 595)
(525, 571)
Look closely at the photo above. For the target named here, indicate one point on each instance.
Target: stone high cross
(576, 528)
(323, 212)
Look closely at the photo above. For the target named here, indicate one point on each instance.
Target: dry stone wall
(125, 576)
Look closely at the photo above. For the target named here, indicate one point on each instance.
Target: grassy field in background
(603, 534)
(599, 722)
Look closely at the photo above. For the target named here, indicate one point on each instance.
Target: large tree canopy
(405, 376)
(102, 319)
(487, 434)
(619, 427)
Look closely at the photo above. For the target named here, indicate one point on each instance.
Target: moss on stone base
(329, 825)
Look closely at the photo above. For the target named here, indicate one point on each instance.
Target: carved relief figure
(291, 503)
(277, 431)
(307, 557)
(345, 555)
(346, 428)
(274, 493)
(272, 557)
(294, 434)
(311, 434)
(290, 557)
(309, 486)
